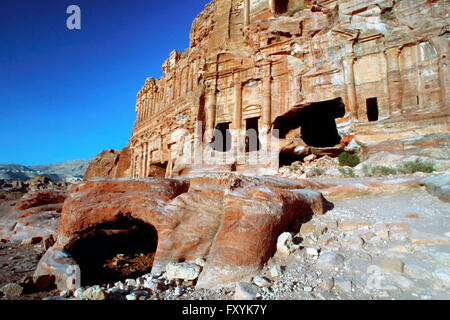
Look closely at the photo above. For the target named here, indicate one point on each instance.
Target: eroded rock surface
(109, 164)
(231, 221)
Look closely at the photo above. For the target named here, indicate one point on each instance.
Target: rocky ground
(384, 246)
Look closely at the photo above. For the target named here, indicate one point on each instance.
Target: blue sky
(69, 94)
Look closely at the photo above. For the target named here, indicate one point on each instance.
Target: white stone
(443, 274)
(345, 286)
(245, 291)
(330, 261)
(355, 243)
(200, 262)
(78, 293)
(150, 285)
(65, 293)
(130, 282)
(285, 244)
(275, 271)
(312, 251)
(131, 297)
(183, 271)
(178, 291)
(402, 281)
(261, 281)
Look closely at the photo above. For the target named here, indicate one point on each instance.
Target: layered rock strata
(320, 72)
(230, 221)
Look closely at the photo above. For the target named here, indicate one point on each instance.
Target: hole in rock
(115, 251)
(315, 124)
(252, 142)
(286, 159)
(222, 137)
(372, 109)
(281, 6)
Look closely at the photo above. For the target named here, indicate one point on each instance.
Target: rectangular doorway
(372, 109)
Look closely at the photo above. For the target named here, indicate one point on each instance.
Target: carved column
(271, 4)
(153, 97)
(144, 171)
(246, 12)
(149, 104)
(210, 109)
(139, 110)
(145, 106)
(394, 80)
(350, 84)
(238, 101)
(267, 97)
(237, 114)
(132, 162)
(443, 50)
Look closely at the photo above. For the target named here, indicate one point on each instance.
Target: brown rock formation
(109, 164)
(319, 71)
(36, 214)
(230, 221)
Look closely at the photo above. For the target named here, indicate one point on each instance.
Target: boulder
(330, 261)
(207, 217)
(246, 291)
(34, 216)
(439, 186)
(182, 271)
(11, 290)
(110, 164)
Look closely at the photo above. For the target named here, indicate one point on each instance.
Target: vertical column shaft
(238, 101)
(350, 84)
(246, 12)
(271, 4)
(267, 97)
(394, 80)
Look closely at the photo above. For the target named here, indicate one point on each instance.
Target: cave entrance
(157, 170)
(252, 142)
(314, 124)
(281, 6)
(222, 137)
(115, 251)
(372, 109)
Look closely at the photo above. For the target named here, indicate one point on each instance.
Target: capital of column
(393, 52)
(350, 58)
(266, 70)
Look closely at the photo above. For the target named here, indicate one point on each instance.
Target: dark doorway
(252, 142)
(281, 6)
(372, 109)
(115, 251)
(222, 137)
(317, 123)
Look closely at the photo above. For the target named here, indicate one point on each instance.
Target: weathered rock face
(36, 214)
(319, 71)
(231, 221)
(110, 164)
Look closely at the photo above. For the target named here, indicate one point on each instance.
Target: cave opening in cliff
(372, 109)
(222, 137)
(315, 124)
(115, 251)
(252, 142)
(281, 6)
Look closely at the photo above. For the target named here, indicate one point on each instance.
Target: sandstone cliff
(320, 72)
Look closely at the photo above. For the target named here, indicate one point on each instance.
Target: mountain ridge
(67, 171)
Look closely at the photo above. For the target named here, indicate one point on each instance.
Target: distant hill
(70, 171)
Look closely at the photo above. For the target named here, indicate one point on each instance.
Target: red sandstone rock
(232, 221)
(375, 71)
(109, 164)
